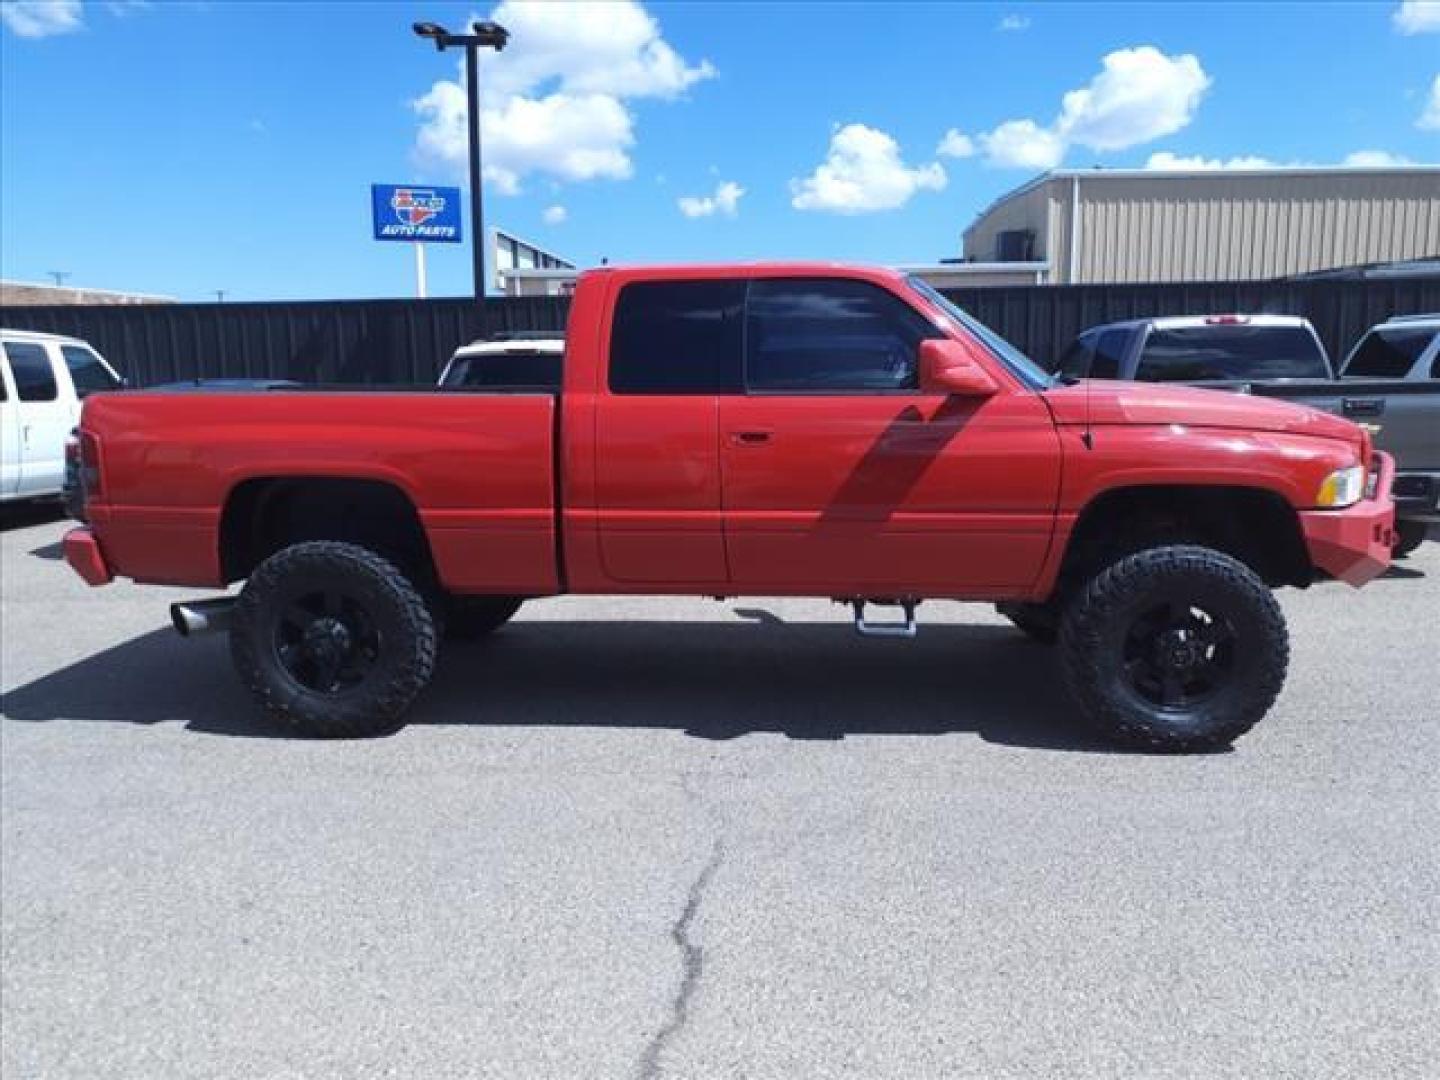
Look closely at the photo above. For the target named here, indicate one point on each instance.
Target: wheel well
(261, 516)
(1257, 527)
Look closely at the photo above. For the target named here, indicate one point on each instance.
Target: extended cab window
(823, 335)
(677, 337)
(30, 367)
(1389, 354)
(1202, 353)
(86, 371)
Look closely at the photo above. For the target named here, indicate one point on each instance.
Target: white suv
(42, 380)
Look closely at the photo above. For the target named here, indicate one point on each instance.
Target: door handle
(1363, 406)
(750, 438)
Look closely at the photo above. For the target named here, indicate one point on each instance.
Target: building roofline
(1152, 174)
(52, 287)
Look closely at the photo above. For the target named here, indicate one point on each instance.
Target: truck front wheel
(333, 640)
(1174, 648)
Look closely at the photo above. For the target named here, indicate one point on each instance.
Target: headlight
(1343, 487)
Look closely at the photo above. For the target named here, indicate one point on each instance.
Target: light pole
(483, 35)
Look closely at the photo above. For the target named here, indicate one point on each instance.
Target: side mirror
(946, 367)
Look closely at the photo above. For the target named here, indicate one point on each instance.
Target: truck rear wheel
(333, 640)
(1174, 648)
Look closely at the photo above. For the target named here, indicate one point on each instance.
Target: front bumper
(82, 552)
(1355, 544)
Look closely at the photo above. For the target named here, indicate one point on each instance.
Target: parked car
(1207, 349)
(1405, 418)
(43, 379)
(1388, 383)
(519, 362)
(698, 446)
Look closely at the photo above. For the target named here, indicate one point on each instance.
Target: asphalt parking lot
(691, 839)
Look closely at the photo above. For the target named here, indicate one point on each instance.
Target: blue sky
(180, 148)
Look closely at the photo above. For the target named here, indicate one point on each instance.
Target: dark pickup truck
(1389, 383)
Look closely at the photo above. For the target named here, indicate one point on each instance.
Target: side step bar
(906, 629)
(202, 616)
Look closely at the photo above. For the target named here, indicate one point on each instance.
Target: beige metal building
(1137, 225)
(22, 293)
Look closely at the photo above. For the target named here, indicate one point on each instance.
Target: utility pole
(483, 35)
(59, 276)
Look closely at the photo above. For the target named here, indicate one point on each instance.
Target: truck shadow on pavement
(711, 680)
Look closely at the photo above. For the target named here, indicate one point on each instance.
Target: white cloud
(862, 173)
(42, 18)
(1023, 144)
(1375, 159)
(955, 144)
(726, 201)
(1139, 95)
(1429, 119)
(1417, 17)
(554, 102)
(1014, 23)
(1164, 161)
(554, 215)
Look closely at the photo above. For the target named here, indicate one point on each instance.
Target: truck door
(42, 418)
(841, 477)
(674, 346)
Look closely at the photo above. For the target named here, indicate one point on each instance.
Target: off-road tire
(1036, 621)
(468, 618)
(404, 629)
(1094, 634)
(1409, 535)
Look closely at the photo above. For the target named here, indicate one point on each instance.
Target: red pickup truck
(795, 429)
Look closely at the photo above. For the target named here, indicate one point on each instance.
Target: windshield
(1025, 369)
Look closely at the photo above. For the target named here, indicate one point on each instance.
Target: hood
(1159, 403)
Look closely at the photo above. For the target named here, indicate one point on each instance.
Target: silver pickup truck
(1390, 383)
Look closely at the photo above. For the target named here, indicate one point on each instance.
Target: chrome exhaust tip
(202, 616)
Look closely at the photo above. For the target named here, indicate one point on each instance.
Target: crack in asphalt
(692, 963)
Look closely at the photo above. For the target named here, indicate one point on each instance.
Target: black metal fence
(407, 341)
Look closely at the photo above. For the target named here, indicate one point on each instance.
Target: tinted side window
(677, 337)
(30, 365)
(818, 335)
(86, 370)
(1076, 360)
(1389, 354)
(1109, 352)
(1201, 353)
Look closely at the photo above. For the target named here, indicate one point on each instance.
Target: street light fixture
(483, 35)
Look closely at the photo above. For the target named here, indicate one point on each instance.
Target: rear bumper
(1355, 544)
(82, 552)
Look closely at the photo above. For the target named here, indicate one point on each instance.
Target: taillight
(1227, 320)
(90, 480)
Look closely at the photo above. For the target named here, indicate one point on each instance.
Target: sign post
(411, 214)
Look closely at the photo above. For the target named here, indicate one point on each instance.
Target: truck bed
(479, 470)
